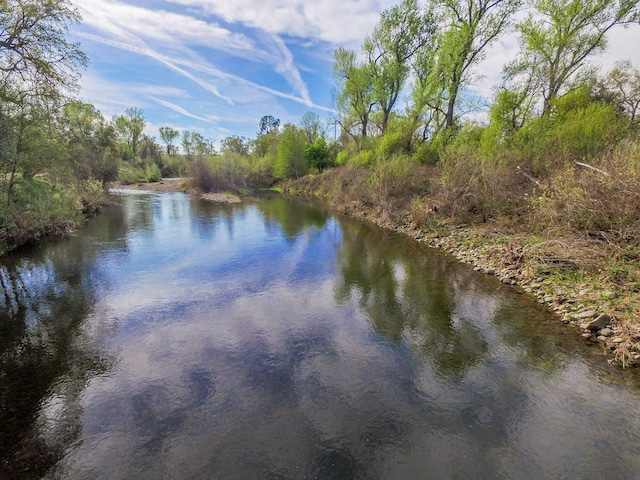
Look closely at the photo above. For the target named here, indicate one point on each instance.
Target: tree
(354, 96)
(90, 142)
(195, 144)
(318, 155)
(168, 136)
(558, 37)
(311, 126)
(38, 67)
(149, 149)
(237, 145)
(402, 31)
(266, 145)
(268, 124)
(622, 86)
(35, 58)
(471, 26)
(290, 160)
(130, 126)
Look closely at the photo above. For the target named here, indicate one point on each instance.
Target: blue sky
(217, 66)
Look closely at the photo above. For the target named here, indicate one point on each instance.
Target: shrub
(152, 173)
(608, 199)
(201, 175)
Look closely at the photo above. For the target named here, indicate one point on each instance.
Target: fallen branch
(522, 172)
(592, 168)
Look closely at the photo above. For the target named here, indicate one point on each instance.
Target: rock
(599, 323)
(548, 299)
(602, 338)
(587, 314)
(618, 340)
(586, 336)
(610, 295)
(491, 271)
(536, 285)
(606, 332)
(583, 292)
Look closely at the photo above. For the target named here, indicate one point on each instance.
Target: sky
(217, 66)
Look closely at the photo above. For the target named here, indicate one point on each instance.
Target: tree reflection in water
(51, 345)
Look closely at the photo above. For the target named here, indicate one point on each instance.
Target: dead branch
(592, 168)
(526, 175)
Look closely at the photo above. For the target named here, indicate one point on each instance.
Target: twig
(522, 172)
(592, 168)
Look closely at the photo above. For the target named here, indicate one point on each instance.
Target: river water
(174, 338)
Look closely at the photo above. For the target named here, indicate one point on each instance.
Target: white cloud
(184, 111)
(335, 21)
(177, 40)
(170, 29)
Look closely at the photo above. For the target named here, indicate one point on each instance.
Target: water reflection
(271, 340)
(413, 295)
(48, 349)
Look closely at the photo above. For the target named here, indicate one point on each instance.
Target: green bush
(129, 175)
(152, 173)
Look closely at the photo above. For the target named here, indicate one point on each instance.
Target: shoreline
(180, 185)
(589, 310)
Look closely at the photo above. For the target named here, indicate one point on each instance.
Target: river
(175, 338)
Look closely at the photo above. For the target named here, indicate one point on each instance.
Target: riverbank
(181, 185)
(585, 280)
(46, 209)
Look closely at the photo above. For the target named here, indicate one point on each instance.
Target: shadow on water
(48, 350)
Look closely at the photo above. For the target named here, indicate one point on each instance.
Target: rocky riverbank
(602, 314)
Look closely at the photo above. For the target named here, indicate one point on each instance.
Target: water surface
(173, 338)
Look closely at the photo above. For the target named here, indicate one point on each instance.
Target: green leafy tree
(89, 141)
(318, 155)
(559, 36)
(291, 161)
(311, 126)
(266, 145)
(36, 60)
(130, 127)
(195, 144)
(38, 68)
(149, 149)
(354, 95)
(401, 32)
(236, 144)
(470, 27)
(169, 136)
